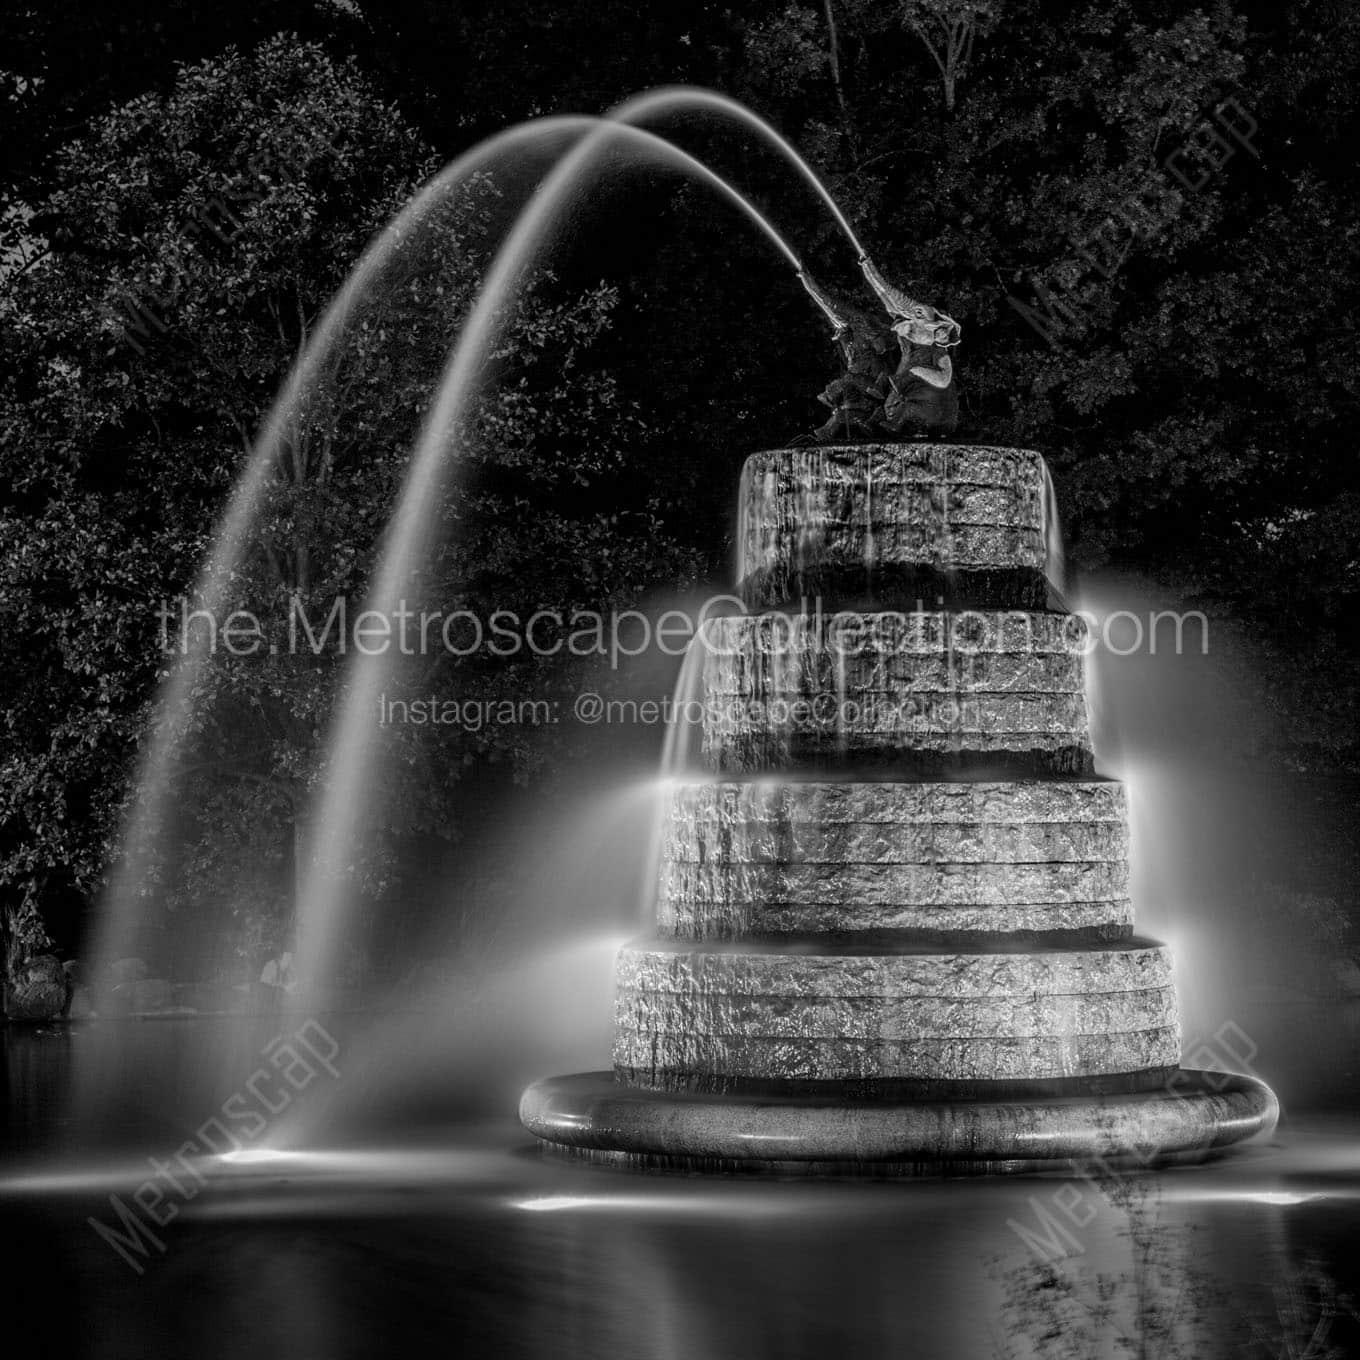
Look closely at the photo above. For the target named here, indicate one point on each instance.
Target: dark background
(1197, 405)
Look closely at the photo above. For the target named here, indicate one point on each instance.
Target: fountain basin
(1189, 1117)
(931, 971)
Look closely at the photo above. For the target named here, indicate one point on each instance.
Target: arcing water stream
(323, 907)
(156, 780)
(322, 911)
(672, 1292)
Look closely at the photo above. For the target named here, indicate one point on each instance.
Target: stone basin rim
(592, 1115)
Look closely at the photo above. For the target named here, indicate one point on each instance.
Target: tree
(1184, 357)
(1113, 210)
(196, 238)
(947, 30)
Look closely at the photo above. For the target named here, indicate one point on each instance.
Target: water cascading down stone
(894, 933)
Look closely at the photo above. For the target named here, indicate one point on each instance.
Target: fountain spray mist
(1221, 845)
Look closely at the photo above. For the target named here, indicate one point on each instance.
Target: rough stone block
(805, 512)
(824, 971)
(780, 689)
(651, 1060)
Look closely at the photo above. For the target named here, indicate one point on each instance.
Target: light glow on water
(264, 1157)
(1280, 1199)
(742, 1205)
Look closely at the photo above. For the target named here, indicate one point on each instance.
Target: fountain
(893, 935)
(321, 910)
(892, 932)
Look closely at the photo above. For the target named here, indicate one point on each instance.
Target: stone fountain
(893, 930)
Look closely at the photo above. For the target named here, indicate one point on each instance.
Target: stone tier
(938, 859)
(784, 691)
(893, 523)
(929, 966)
(690, 1017)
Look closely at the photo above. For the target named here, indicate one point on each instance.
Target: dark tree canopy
(1182, 345)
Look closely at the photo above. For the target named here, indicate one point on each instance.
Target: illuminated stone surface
(821, 971)
(808, 515)
(893, 1019)
(769, 1013)
(667, 1061)
(779, 689)
(930, 969)
(770, 857)
(1190, 1115)
(770, 821)
(925, 885)
(762, 919)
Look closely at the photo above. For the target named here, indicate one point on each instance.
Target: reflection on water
(476, 1244)
(468, 1240)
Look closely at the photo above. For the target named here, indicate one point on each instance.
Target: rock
(769, 971)
(730, 901)
(864, 823)
(656, 1060)
(764, 1014)
(780, 690)
(43, 968)
(837, 521)
(899, 805)
(38, 989)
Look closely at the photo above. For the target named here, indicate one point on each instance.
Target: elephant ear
(939, 376)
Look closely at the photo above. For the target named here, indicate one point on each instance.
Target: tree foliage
(197, 238)
(1191, 376)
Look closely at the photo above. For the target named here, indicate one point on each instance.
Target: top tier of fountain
(902, 618)
(952, 526)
